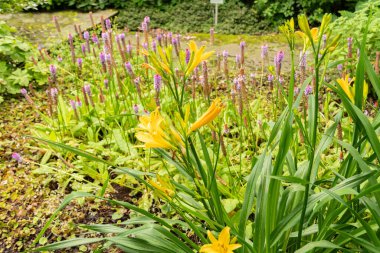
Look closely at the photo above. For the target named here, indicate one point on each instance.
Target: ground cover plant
(204, 165)
(15, 69)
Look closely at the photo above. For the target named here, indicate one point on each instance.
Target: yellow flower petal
(212, 112)
(224, 236)
(220, 245)
(211, 237)
(345, 85)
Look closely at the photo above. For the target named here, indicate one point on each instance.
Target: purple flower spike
(87, 89)
(144, 26)
(102, 57)
(137, 80)
(17, 157)
(105, 37)
(225, 53)
(324, 39)
(264, 51)
(238, 59)
(157, 82)
(78, 102)
(24, 91)
(174, 41)
(83, 47)
(86, 35)
(70, 37)
(279, 57)
(108, 24)
(303, 57)
(339, 67)
(270, 78)
(147, 19)
(122, 36)
(297, 90)
(154, 45)
(136, 108)
(187, 58)
(54, 92)
(129, 48)
(308, 90)
(108, 57)
(95, 39)
(80, 62)
(128, 67)
(53, 70)
(242, 44)
(73, 104)
(145, 45)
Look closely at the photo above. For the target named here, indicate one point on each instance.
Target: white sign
(216, 2)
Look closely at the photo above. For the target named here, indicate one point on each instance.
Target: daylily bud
(304, 25)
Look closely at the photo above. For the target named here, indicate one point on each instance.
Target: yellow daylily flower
(305, 38)
(222, 245)
(347, 87)
(197, 56)
(163, 187)
(314, 33)
(153, 131)
(345, 84)
(153, 140)
(212, 112)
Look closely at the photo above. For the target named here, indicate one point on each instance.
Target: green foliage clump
(7, 6)
(234, 17)
(352, 24)
(275, 12)
(15, 71)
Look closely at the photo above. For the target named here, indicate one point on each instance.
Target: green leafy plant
(358, 19)
(15, 73)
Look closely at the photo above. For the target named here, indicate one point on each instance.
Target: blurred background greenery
(235, 16)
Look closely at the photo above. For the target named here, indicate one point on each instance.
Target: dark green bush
(234, 17)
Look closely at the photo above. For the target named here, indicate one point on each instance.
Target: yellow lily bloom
(153, 140)
(345, 84)
(222, 245)
(197, 56)
(347, 87)
(152, 131)
(305, 38)
(163, 187)
(212, 112)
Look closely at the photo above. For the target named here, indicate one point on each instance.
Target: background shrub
(235, 16)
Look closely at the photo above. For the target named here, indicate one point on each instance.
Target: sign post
(216, 2)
